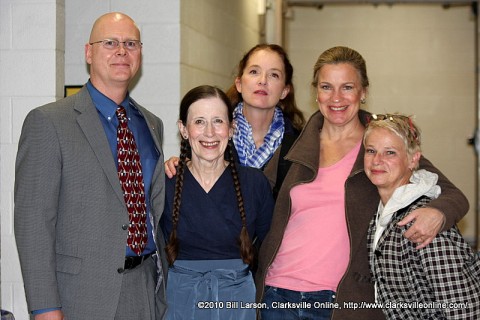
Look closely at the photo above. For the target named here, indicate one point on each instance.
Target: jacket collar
(306, 148)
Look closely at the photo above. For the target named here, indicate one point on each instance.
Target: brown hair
(288, 104)
(245, 243)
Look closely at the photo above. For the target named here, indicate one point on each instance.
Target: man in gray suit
(71, 215)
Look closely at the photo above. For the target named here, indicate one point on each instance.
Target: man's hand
(50, 315)
(428, 222)
(170, 165)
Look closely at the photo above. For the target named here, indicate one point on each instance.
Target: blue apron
(210, 290)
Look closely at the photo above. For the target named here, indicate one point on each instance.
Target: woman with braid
(214, 211)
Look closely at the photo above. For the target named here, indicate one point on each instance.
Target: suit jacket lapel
(151, 123)
(92, 128)
(158, 179)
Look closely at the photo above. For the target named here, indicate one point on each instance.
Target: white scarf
(422, 182)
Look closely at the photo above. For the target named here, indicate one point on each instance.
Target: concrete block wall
(157, 86)
(31, 59)
(39, 56)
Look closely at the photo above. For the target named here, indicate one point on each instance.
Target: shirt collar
(106, 106)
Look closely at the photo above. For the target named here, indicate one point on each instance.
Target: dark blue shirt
(146, 147)
(209, 224)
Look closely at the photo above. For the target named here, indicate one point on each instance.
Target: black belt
(132, 262)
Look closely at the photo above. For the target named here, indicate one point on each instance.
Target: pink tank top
(315, 249)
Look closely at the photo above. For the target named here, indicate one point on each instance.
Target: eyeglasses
(400, 120)
(389, 116)
(112, 44)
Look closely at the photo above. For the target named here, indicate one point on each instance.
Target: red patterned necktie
(131, 178)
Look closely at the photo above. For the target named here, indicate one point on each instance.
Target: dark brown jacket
(361, 201)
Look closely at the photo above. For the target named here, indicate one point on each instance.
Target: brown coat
(361, 201)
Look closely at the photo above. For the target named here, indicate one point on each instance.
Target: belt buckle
(132, 262)
(129, 261)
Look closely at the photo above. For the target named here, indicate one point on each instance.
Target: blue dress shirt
(146, 147)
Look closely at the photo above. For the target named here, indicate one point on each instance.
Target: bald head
(112, 68)
(106, 21)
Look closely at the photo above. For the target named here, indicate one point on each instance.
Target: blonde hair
(337, 55)
(401, 125)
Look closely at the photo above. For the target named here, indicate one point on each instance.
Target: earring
(316, 99)
(363, 101)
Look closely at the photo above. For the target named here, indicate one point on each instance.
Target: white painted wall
(420, 61)
(215, 34)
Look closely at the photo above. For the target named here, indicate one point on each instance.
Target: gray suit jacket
(69, 209)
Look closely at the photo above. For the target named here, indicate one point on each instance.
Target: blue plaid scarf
(248, 154)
